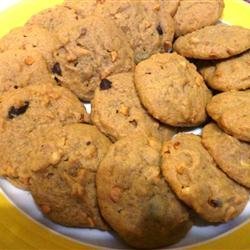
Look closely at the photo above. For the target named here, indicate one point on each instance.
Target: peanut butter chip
(115, 194)
(46, 209)
(29, 60)
(114, 56)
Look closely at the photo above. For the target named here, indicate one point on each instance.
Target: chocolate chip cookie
(26, 114)
(66, 191)
(214, 42)
(193, 175)
(147, 24)
(20, 68)
(229, 74)
(31, 37)
(196, 14)
(231, 111)
(134, 197)
(117, 111)
(82, 62)
(172, 90)
(231, 155)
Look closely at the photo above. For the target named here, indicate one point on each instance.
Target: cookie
(231, 111)
(172, 90)
(147, 24)
(66, 191)
(25, 115)
(231, 155)
(31, 37)
(117, 111)
(214, 42)
(132, 191)
(82, 62)
(194, 177)
(196, 14)
(20, 68)
(229, 74)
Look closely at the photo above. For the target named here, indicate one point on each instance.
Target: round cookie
(25, 115)
(132, 191)
(66, 191)
(82, 62)
(196, 14)
(194, 177)
(20, 68)
(231, 111)
(214, 42)
(147, 24)
(116, 109)
(172, 90)
(31, 37)
(231, 155)
(229, 74)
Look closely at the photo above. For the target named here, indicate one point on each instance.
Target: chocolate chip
(88, 143)
(159, 30)
(105, 84)
(15, 87)
(134, 123)
(56, 69)
(14, 112)
(215, 203)
(148, 73)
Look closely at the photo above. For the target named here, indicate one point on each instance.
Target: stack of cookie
(150, 70)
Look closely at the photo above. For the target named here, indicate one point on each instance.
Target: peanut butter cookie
(66, 191)
(172, 90)
(231, 155)
(231, 111)
(214, 42)
(193, 175)
(134, 197)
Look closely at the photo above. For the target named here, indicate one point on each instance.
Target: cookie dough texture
(231, 111)
(147, 24)
(117, 111)
(196, 14)
(88, 56)
(172, 90)
(195, 178)
(66, 191)
(231, 155)
(20, 68)
(229, 74)
(134, 197)
(25, 116)
(214, 42)
(55, 19)
(31, 37)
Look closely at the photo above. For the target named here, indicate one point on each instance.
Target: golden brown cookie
(231, 111)
(231, 155)
(193, 175)
(172, 90)
(134, 197)
(117, 111)
(229, 74)
(25, 116)
(20, 68)
(196, 14)
(82, 62)
(147, 24)
(214, 42)
(66, 191)
(31, 37)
